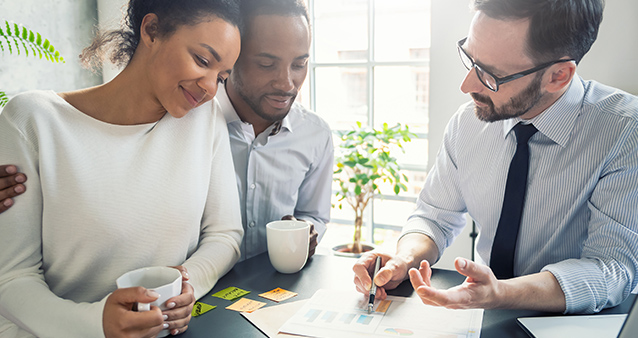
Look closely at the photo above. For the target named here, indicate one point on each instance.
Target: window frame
(369, 64)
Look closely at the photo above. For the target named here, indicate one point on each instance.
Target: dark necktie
(504, 246)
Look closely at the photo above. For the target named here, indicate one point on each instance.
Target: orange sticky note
(245, 305)
(278, 295)
(383, 306)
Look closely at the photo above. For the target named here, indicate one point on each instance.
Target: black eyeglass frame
(505, 79)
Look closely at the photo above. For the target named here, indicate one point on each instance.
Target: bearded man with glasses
(544, 162)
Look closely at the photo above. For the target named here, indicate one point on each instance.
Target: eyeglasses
(491, 81)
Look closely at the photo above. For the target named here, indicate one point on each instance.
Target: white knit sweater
(104, 199)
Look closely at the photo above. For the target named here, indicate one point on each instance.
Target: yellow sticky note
(201, 308)
(245, 305)
(278, 295)
(230, 293)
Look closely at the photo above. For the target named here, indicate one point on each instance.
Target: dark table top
(329, 272)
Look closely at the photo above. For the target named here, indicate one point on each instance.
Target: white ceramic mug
(288, 243)
(167, 282)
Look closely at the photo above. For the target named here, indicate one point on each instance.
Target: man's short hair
(557, 27)
(252, 8)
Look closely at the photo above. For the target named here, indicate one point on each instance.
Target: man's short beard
(517, 106)
(254, 103)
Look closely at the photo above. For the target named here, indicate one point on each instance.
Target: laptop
(630, 327)
(596, 326)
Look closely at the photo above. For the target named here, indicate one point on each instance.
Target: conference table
(329, 272)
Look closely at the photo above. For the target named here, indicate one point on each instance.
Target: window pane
(402, 30)
(416, 153)
(391, 212)
(401, 96)
(342, 97)
(340, 30)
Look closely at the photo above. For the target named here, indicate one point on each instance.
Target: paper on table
(269, 319)
(337, 314)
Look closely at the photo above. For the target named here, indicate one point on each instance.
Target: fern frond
(25, 39)
(3, 99)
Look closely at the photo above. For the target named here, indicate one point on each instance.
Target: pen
(373, 287)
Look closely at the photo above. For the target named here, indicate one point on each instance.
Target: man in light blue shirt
(283, 153)
(577, 244)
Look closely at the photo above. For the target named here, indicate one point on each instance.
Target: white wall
(612, 60)
(68, 25)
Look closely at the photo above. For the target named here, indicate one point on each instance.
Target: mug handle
(141, 307)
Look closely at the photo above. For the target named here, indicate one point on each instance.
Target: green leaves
(3, 99)
(17, 39)
(364, 160)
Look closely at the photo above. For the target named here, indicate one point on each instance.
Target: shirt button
(252, 186)
(252, 224)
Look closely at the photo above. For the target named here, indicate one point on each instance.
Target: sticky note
(201, 308)
(230, 293)
(383, 306)
(278, 295)
(245, 305)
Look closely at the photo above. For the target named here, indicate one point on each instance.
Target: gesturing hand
(479, 290)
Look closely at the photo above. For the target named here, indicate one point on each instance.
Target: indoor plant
(363, 161)
(17, 39)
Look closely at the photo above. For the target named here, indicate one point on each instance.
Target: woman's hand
(179, 310)
(119, 319)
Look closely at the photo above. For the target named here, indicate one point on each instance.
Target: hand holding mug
(119, 319)
(314, 235)
(164, 282)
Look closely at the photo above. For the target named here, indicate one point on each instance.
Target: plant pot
(343, 250)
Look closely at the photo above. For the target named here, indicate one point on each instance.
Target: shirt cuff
(582, 283)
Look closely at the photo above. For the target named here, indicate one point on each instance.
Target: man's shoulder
(302, 116)
(610, 100)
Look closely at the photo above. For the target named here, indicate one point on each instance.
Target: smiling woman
(95, 157)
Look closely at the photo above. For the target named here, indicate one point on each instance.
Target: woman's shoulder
(31, 103)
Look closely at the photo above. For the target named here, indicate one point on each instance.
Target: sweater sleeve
(25, 297)
(221, 227)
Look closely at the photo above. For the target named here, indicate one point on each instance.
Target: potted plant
(363, 161)
(14, 38)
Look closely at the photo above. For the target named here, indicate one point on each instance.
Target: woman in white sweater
(133, 173)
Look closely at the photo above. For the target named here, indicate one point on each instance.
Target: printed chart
(344, 314)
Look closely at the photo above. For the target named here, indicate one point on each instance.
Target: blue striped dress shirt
(580, 220)
(289, 173)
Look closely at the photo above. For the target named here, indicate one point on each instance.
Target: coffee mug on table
(167, 282)
(288, 243)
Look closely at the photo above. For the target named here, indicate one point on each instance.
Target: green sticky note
(230, 293)
(201, 308)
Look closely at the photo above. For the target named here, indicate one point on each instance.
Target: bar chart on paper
(344, 314)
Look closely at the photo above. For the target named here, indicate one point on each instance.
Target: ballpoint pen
(373, 287)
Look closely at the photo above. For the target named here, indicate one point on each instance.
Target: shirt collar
(557, 121)
(231, 116)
